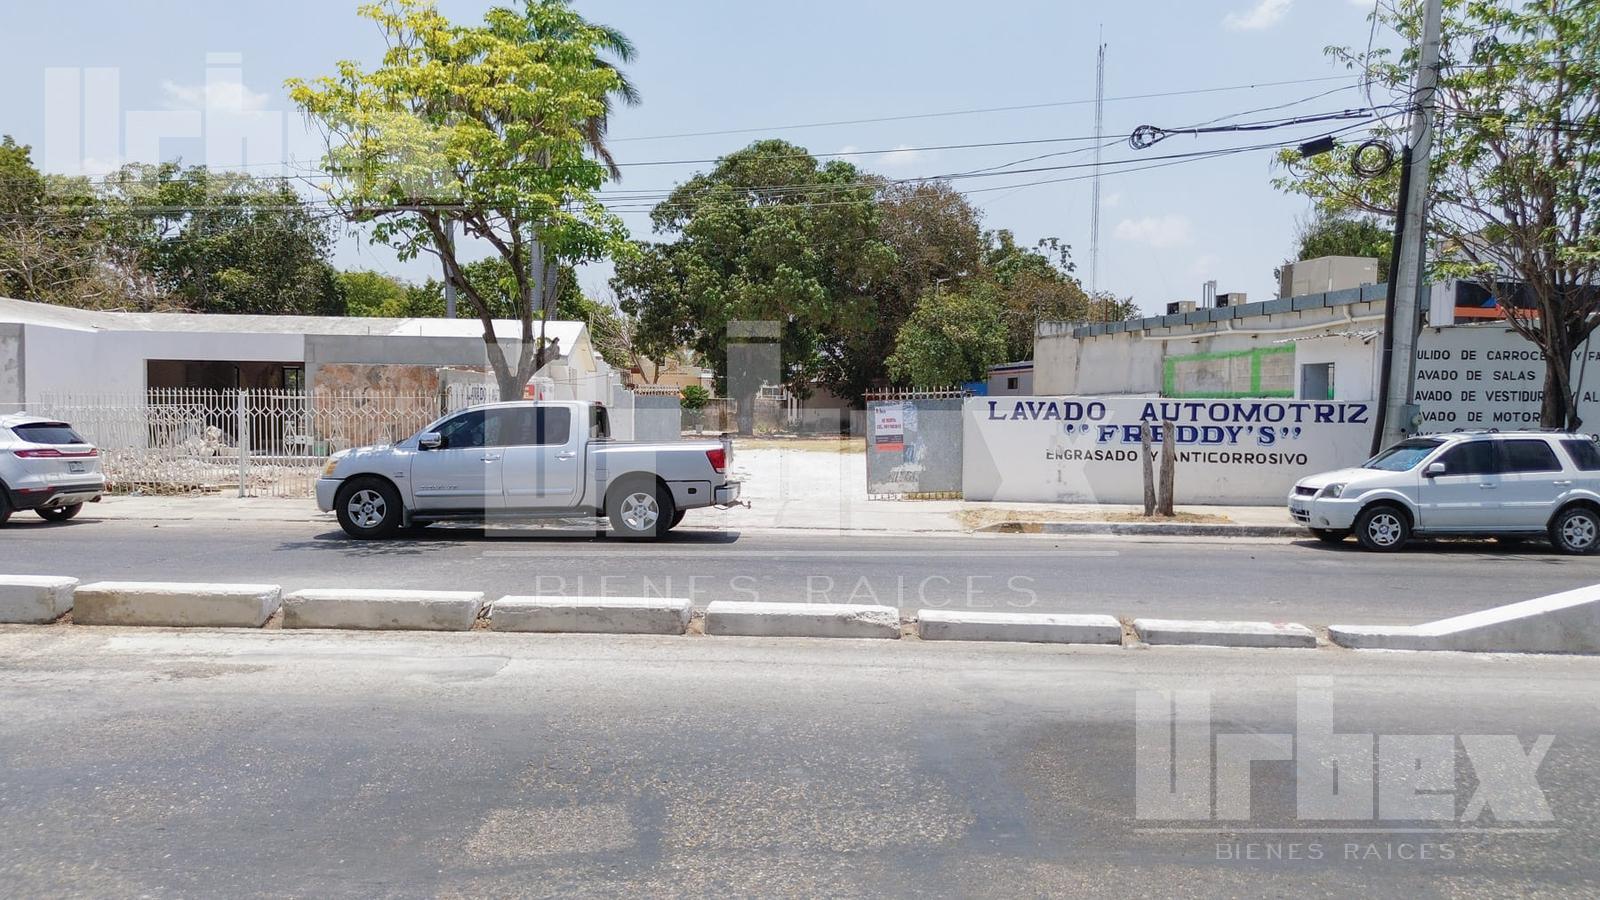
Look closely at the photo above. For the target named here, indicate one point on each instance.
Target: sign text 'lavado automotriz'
(1087, 449)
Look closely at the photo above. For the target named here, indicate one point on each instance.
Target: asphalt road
(1224, 578)
(158, 763)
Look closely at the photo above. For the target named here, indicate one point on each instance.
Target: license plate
(77, 468)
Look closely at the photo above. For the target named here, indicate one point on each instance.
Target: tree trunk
(1149, 469)
(1169, 466)
(1556, 410)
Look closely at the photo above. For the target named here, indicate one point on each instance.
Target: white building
(52, 351)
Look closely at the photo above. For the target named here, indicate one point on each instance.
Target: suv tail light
(52, 453)
(718, 458)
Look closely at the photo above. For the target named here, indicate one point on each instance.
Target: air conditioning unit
(1234, 299)
(1180, 306)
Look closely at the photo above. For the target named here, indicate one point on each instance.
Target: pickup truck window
(465, 431)
(536, 427)
(1531, 456)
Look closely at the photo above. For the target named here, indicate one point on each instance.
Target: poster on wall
(889, 428)
(1088, 449)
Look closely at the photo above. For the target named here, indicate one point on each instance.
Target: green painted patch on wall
(1265, 372)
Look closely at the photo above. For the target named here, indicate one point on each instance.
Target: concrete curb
(591, 615)
(379, 610)
(1568, 622)
(1138, 529)
(820, 620)
(1038, 628)
(175, 604)
(35, 599)
(1224, 634)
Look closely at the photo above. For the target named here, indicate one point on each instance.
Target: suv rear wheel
(59, 513)
(5, 505)
(1576, 530)
(368, 508)
(1383, 527)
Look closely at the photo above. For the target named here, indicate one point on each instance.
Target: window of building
(1013, 383)
(1316, 381)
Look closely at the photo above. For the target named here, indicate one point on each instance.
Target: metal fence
(254, 442)
(914, 444)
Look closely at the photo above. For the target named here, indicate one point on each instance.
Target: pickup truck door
(1467, 496)
(465, 473)
(544, 462)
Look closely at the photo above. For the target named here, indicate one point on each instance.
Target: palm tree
(614, 49)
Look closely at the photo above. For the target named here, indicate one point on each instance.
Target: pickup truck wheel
(59, 513)
(1383, 528)
(368, 509)
(640, 510)
(1576, 531)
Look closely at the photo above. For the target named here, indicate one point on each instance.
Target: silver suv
(1508, 485)
(47, 467)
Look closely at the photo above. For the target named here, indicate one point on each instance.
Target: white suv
(1508, 485)
(47, 467)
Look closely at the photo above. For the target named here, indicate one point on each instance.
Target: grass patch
(973, 518)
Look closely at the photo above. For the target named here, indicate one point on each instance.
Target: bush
(694, 397)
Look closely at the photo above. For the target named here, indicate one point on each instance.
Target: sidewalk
(821, 490)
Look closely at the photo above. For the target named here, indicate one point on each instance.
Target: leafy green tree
(369, 293)
(50, 242)
(935, 235)
(220, 242)
(694, 397)
(485, 130)
(769, 234)
(952, 337)
(1515, 167)
(1039, 285)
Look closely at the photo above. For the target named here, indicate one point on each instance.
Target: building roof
(30, 313)
(1364, 294)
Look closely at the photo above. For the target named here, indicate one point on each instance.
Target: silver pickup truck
(525, 460)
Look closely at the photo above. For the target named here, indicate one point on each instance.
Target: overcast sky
(767, 68)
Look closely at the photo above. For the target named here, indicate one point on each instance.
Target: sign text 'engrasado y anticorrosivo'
(1087, 449)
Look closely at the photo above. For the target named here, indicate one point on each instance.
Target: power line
(992, 109)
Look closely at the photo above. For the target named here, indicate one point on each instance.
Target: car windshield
(1403, 456)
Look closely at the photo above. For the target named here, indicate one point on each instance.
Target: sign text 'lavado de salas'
(1087, 449)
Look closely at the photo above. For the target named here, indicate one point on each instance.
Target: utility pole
(450, 286)
(1403, 320)
(1099, 140)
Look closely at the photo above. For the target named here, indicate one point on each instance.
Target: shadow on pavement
(1450, 547)
(439, 537)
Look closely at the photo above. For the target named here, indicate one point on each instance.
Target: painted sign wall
(1087, 449)
(1488, 376)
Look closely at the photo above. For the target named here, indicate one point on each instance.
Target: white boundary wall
(1087, 449)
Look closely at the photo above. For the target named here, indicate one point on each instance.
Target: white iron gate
(254, 442)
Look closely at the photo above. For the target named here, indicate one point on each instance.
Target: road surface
(1220, 578)
(255, 764)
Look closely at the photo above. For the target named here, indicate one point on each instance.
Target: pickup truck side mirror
(1434, 470)
(432, 440)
